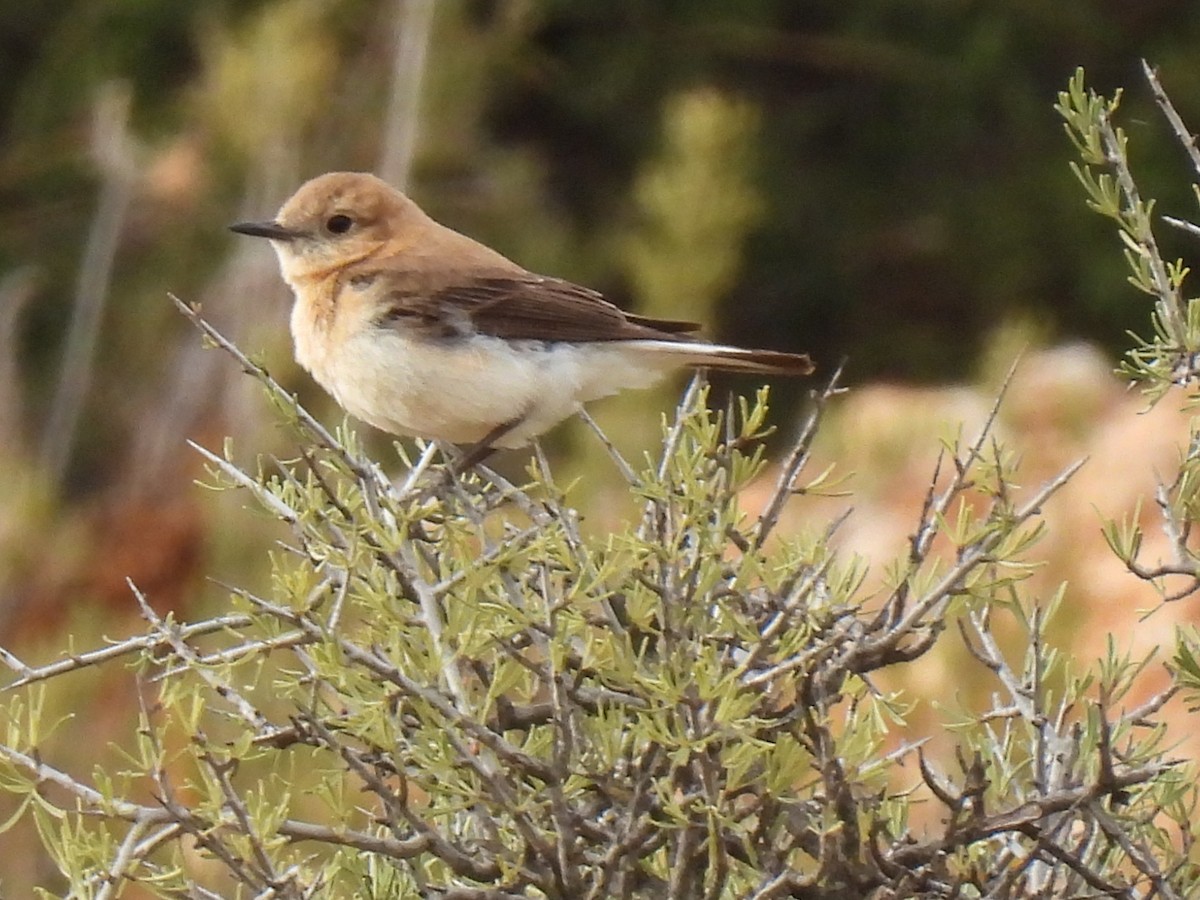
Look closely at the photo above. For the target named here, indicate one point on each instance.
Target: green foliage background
(908, 162)
(872, 180)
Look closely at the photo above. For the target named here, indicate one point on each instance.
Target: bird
(424, 332)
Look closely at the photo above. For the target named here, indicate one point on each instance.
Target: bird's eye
(339, 224)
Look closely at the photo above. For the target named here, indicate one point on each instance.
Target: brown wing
(526, 307)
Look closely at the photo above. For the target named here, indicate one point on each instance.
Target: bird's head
(338, 219)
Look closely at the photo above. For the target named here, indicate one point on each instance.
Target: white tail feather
(717, 356)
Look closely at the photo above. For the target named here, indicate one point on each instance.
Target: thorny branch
(679, 710)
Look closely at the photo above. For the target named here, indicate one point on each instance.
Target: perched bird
(422, 331)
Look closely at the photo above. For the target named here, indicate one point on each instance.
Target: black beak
(272, 230)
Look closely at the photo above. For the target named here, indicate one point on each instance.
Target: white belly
(459, 390)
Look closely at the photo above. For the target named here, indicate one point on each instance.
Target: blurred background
(877, 182)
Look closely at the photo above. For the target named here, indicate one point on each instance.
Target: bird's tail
(729, 359)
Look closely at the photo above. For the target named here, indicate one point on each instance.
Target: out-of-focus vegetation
(451, 688)
(906, 168)
(891, 179)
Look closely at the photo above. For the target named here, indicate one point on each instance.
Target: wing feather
(526, 307)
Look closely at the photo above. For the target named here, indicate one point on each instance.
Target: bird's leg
(484, 447)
